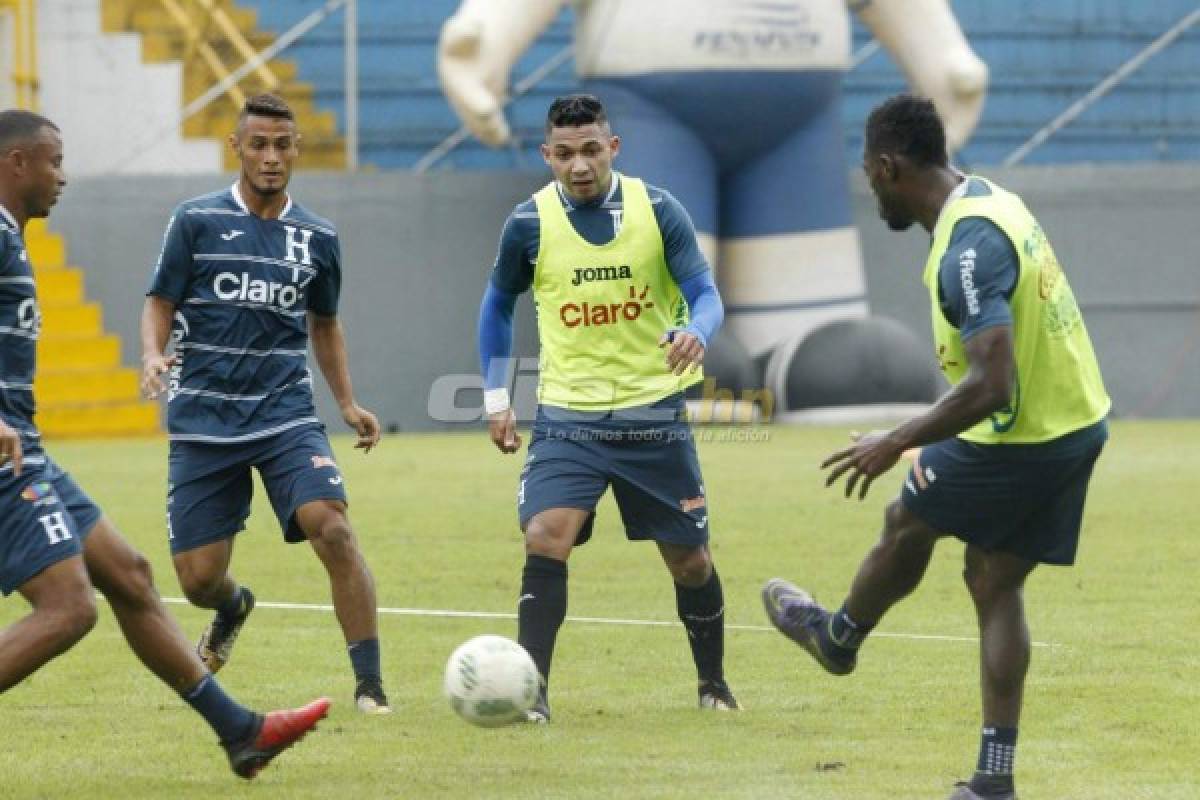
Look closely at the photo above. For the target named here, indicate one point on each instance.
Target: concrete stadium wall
(418, 249)
(98, 90)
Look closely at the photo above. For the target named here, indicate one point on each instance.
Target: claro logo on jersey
(240, 286)
(587, 315)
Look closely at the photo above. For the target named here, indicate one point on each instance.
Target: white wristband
(495, 400)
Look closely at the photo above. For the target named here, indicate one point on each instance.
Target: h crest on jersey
(297, 242)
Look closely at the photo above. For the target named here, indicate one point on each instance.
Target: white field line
(645, 623)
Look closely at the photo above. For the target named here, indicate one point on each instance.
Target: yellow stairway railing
(22, 15)
(212, 38)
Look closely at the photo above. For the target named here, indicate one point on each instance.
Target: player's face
(42, 178)
(882, 174)
(581, 158)
(267, 148)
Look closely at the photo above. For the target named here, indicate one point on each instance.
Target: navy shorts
(209, 485)
(1026, 500)
(44, 518)
(653, 471)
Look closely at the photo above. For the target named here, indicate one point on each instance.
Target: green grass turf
(1111, 706)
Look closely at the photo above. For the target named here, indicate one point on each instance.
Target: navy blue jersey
(978, 273)
(242, 286)
(598, 222)
(20, 322)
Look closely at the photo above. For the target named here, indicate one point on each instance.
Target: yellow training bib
(602, 309)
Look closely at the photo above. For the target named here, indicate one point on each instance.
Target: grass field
(1111, 703)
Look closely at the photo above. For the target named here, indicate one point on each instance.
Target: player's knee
(985, 583)
(138, 581)
(550, 541)
(902, 531)
(71, 616)
(334, 537)
(200, 588)
(691, 568)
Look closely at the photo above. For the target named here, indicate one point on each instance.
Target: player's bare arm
(987, 388)
(157, 314)
(329, 346)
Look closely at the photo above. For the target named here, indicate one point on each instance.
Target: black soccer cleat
(800, 618)
(963, 791)
(539, 714)
(717, 696)
(216, 643)
(369, 697)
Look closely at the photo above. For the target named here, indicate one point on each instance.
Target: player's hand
(153, 368)
(470, 84)
(364, 423)
(684, 351)
(869, 457)
(502, 427)
(10, 448)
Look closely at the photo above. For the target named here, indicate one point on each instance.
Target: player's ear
(614, 144)
(545, 148)
(234, 144)
(888, 167)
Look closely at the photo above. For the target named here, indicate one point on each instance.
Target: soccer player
(1006, 454)
(616, 273)
(56, 546)
(245, 278)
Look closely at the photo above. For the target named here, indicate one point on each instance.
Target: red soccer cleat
(276, 732)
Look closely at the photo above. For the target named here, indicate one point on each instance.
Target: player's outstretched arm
(157, 314)
(986, 389)
(329, 346)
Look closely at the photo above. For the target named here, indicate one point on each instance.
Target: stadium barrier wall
(417, 251)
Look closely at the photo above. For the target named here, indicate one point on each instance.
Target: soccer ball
(491, 681)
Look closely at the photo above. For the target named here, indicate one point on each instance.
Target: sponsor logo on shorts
(40, 494)
(692, 503)
(323, 461)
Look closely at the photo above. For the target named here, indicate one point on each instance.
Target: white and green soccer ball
(491, 681)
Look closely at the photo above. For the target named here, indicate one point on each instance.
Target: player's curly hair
(909, 125)
(18, 126)
(267, 105)
(574, 110)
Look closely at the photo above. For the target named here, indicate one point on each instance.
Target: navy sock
(844, 632)
(364, 657)
(231, 609)
(997, 752)
(231, 721)
(542, 608)
(702, 612)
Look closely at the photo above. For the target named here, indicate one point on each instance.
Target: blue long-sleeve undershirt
(496, 323)
(495, 335)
